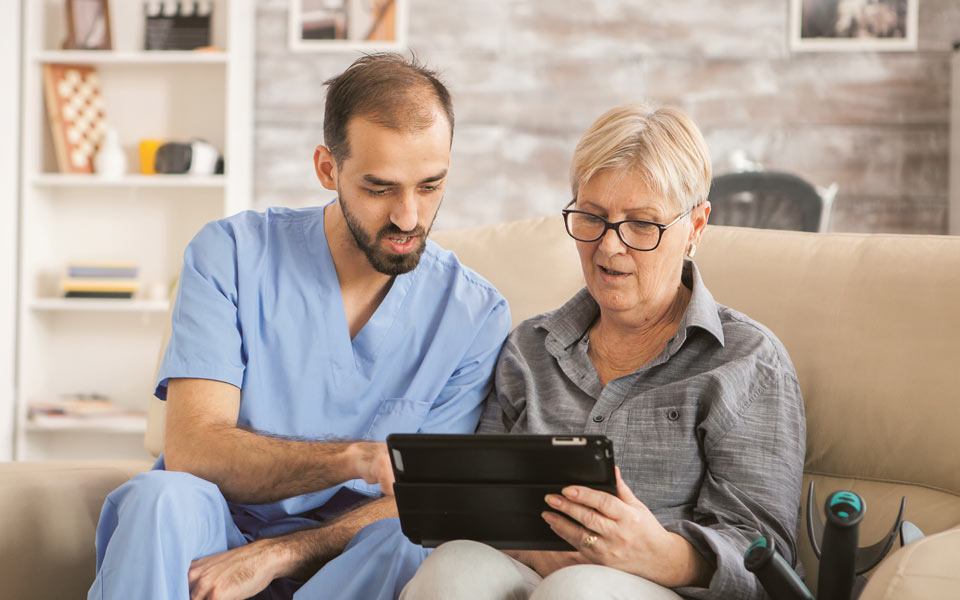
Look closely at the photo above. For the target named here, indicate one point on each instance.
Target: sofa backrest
(871, 322)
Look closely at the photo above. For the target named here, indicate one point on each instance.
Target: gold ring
(589, 541)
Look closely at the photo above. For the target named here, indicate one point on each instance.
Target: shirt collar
(568, 324)
(702, 311)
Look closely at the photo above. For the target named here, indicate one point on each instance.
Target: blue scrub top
(259, 307)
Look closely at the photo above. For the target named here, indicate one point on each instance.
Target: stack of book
(114, 279)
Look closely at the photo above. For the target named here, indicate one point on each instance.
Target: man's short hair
(663, 145)
(388, 89)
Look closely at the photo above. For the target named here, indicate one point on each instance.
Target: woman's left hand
(621, 532)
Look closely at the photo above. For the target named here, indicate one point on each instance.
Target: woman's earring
(691, 251)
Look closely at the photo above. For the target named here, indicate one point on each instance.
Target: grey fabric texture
(710, 434)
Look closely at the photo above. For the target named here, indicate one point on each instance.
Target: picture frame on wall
(347, 25)
(853, 25)
(88, 25)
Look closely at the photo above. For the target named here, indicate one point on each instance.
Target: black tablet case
(491, 488)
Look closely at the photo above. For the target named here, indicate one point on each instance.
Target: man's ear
(326, 167)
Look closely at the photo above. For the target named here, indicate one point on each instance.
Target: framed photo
(88, 25)
(853, 25)
(336, 25)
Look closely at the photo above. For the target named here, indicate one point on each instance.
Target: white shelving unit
(111, 347)
(9, 215)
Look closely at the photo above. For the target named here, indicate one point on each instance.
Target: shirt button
(673, 414)
(598, 419)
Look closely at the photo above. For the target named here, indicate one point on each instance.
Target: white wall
(529, 76)
(9, 226)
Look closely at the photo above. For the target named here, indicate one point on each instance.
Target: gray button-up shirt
(710, 434)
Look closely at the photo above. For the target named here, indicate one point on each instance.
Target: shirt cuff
(197, 370)
(730, 578)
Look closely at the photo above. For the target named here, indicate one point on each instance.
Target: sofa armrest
(48, 515)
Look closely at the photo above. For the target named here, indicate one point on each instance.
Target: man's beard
(387, 263)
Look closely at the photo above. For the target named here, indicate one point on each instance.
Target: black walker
(842, 562)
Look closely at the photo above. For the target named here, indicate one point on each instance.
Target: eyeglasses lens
(641, 236)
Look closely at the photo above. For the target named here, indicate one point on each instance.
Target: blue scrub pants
(154, 525)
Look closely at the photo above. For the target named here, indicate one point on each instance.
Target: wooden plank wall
(528, 76)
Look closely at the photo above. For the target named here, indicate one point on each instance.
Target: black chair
(769, 200)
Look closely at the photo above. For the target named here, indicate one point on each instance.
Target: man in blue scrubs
(301, 339)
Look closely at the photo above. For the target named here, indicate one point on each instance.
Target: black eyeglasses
(639, 235)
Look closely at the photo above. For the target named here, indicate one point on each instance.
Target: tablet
(491, 488)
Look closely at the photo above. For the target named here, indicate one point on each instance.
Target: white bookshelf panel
(59, 180)
(116, 424)
(137, 58)
(110, 305)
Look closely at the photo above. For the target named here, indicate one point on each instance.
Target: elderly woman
(701, 402)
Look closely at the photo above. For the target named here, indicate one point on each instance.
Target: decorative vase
(110, 160)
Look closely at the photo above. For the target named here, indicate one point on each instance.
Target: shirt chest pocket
(663, 453)
(397, 415)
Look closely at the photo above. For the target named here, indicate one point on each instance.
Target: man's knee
(596, 581)
(166, 492)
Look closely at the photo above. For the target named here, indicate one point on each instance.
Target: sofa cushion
(922, 570)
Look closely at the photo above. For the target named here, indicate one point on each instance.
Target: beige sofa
(872, 323)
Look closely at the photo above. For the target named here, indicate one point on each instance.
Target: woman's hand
(546, 562)
(621, 532)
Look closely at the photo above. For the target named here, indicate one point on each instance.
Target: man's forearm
(251, 468)
(305, 552)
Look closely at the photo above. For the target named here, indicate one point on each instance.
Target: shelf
(99, 305)
(118, 424)
(129, 181)
(111, 57)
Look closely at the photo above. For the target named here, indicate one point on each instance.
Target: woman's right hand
(546, 562)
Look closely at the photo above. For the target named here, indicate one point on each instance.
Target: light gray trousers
(468, 570)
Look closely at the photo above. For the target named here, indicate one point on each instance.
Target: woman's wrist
(690, 568)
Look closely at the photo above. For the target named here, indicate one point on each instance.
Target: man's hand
(239, 573)
(546, 562)
(372, 464)
(245, 571)
(254, 467)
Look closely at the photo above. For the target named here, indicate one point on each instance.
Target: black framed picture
(853, 25)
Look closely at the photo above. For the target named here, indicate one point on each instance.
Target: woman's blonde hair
(663, 145)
